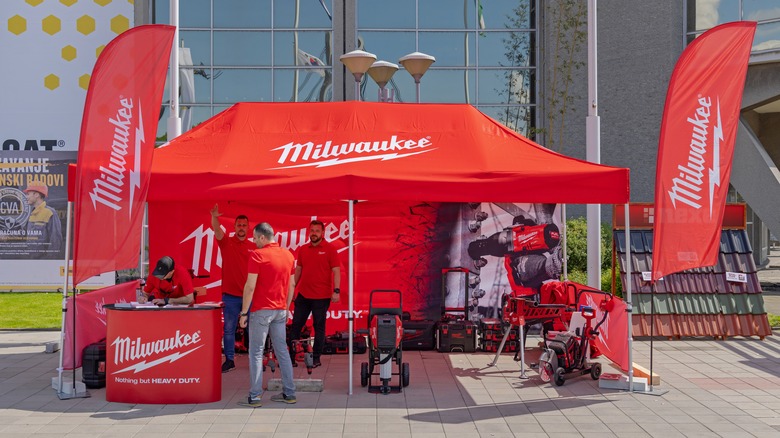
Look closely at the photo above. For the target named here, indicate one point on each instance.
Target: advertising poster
(461, 256)
(52, 47)
(33, 205)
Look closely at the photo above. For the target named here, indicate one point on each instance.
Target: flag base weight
(620, 382)
(69, 391)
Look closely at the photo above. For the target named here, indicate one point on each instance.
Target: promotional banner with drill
(454, 255)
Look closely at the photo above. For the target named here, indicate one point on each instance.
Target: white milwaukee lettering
(199, 235)
(339, 314)
(294, 239)
(686, 187)
(204, 248)
(717, 137)
(330, 154)
(135, 172)
(126, 349)
(108, 186)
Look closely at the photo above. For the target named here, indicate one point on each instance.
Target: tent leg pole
(629, 307)
(64, 294)
(351, 283)
(565, 244)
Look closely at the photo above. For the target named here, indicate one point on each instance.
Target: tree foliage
(569, 20)
(577, 253)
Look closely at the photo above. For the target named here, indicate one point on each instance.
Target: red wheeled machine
(520, 311)
(569, 353)
(385, 332)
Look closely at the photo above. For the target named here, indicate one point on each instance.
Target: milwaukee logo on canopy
(115, 150)
(696, 147)
(331, 154)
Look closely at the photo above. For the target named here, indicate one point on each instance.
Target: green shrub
(577, 244)
(577, 252)
(606, 280)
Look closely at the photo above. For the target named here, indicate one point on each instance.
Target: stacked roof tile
(696, 302)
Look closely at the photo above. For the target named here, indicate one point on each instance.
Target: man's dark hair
(264, 229)
(242, 216)
(316, 222)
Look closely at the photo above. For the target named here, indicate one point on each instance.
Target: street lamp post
(358, 63)
(417, 64)
(381, 72)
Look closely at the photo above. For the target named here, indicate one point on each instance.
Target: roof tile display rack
(696, 302)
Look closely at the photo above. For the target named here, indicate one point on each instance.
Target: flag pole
(629, 306)
(64, 294)
(565, 242)
(174, 121)
(351, 283)
(593, 151)
(466, 50)
(295, 50)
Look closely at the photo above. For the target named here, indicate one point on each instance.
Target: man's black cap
(164, 266)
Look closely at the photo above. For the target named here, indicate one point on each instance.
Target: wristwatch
(243, 314)
(336, 291)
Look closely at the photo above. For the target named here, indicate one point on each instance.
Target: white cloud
(763, 14)
(707, 13)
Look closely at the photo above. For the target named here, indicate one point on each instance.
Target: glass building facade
(287, 51)
(706, 14)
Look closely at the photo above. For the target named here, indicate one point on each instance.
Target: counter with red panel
(163, 355)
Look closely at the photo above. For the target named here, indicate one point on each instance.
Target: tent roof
(371, 151)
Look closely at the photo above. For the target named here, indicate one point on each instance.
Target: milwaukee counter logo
(331, 154)
(109, 185)
(687, 187)
(127, 350)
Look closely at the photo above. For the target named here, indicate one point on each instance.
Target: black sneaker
(289, 399)
(252, 402)
(229, 365)
(316, 363)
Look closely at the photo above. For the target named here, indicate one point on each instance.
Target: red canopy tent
(284, 152)
(372, 151)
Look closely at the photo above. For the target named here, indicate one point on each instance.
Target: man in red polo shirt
(168, 284)
(235, 251)
(317, 276)
(267, 296)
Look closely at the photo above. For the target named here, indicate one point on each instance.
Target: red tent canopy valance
(371, 151)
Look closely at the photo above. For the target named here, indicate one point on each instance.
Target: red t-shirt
(317, 263)
(235, 254)
(273, 265)
(179, 286)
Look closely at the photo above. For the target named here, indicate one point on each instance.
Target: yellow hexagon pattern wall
(119, 24)
(76, 31)
(51, 82)
(51, 24)
(17, 25)
(69, 53)
(85, 24)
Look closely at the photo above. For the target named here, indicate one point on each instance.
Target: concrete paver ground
(716, 388)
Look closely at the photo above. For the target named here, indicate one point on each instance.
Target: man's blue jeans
(261, 324)
(230, 312)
